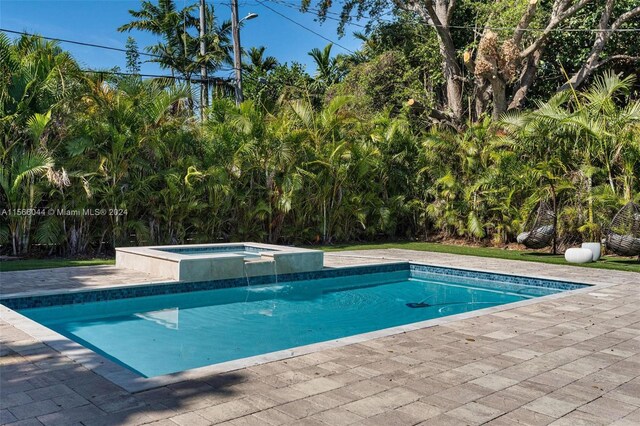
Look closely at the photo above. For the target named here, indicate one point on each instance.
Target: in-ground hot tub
(200, 262)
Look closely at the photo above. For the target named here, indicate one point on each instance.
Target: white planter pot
(595, 248)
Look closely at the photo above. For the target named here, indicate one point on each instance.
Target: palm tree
(327, 70)
(37, 74)
(165, 21)
(340, 199)
(38, 78)
(258, 82)
(593, 134)
(20, 191)
(179, 50)
(125, 130)
(259, 64)
(219, 46)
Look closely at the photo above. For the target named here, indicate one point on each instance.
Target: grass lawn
(26, 264)
(606, 262)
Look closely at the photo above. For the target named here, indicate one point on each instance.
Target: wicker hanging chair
(540, 228)
(623, 235)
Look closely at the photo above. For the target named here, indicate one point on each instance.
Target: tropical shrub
(299, 166)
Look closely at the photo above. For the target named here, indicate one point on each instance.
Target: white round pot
(578, 255)
(596, 249)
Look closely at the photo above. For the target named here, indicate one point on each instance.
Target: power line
(80, 43)
(291, 5)
(98, 46)
(305, 27)
(560, 30)
(171, 77)
(461, 27)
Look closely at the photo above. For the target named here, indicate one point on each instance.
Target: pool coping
(133, 382)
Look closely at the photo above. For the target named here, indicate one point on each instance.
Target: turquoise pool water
(217, 252)
(163, 334)
(247, 251)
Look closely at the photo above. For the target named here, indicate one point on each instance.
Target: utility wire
(172, 77)
(462, 27)
(80, 43)
(284, 3)
(98, 46)
(305, 27)
(291, 5)
(559, 30)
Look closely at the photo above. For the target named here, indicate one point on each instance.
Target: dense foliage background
(334, 156)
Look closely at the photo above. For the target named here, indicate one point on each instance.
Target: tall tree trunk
(527, 77)
(441, 12)
(499, 89)
(454, 94)
(438, 13)
(555, 217)
(14, 238)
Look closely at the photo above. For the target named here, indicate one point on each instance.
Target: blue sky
(95, 21)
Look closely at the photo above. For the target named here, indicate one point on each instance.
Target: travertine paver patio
(73, 278)
(571, 360)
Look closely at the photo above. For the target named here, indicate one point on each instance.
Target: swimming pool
(156, 330)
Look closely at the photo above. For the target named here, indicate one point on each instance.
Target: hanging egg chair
(623, 235)
(540, 228)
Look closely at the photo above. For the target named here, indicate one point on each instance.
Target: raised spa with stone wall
(201, 262)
